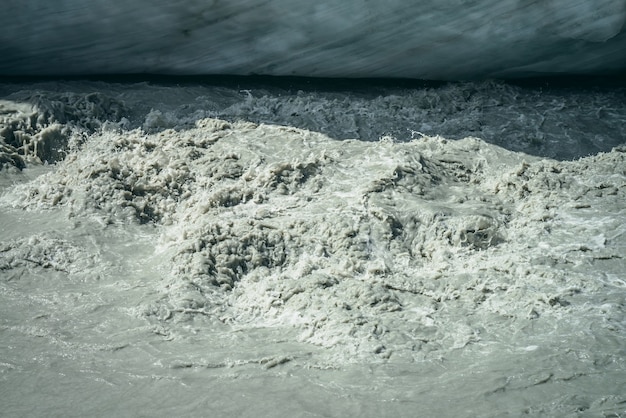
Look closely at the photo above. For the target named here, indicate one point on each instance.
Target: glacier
(425, 39)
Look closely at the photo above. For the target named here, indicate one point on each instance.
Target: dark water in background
(560, 117)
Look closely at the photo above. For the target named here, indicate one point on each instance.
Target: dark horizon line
(325, 83)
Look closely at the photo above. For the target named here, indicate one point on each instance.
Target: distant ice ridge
(428, 39)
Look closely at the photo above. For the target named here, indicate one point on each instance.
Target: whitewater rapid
(236, 249)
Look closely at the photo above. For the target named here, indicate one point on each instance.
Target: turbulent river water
(253, 247)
